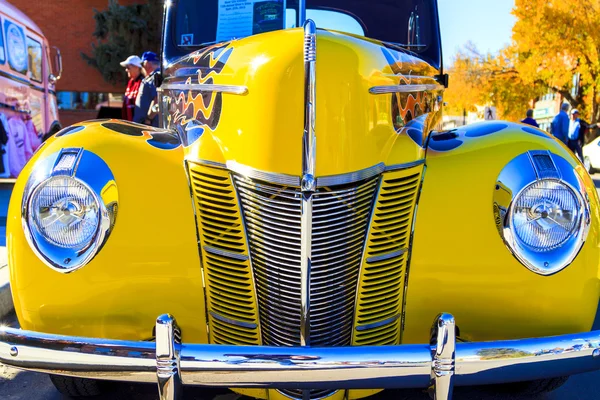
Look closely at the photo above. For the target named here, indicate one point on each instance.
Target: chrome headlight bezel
(518, 176)
(90, 172)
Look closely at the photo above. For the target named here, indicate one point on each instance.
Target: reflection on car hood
(256, 116)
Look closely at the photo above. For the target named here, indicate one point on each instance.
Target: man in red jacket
(133, 66)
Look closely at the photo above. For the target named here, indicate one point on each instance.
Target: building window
(87, 100)
(34, 54)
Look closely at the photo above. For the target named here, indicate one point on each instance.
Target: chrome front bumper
(440, 365)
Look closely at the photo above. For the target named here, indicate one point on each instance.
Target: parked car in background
(297, 229)
(27, 79)
(591, 155)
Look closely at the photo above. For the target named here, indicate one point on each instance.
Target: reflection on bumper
(441, 363)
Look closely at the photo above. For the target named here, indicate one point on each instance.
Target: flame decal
(155, 137)
(200, 109)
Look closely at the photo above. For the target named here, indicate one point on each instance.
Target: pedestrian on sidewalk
(529, 119)
(147, 95)
(133, 66)
(575, 131)
(560, 124)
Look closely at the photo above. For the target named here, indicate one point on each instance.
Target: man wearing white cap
(574, 134)
(133, 66)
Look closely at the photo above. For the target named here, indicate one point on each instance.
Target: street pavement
(24, 385)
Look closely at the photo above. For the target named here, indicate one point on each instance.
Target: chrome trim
(396, 167)
(249, 172)
(322, 181)
(205, 87)
(92, 172)
(521, 172)
(443, 362)
(233, 321)
(208, 163)
(309, 183)
(443, 345)
(67, 170)
(541, 171)
(378, 324)
(404, 88)
(224, 253)
(168, 358)
(387, 256)
(351, 177)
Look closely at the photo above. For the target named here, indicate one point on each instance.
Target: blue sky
(487, 23)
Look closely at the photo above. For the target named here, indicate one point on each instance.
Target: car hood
(242, 103)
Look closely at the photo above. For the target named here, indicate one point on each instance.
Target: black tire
(531, 388)
(78, 387)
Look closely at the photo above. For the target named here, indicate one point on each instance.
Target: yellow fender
(459, 263)
(150, 263)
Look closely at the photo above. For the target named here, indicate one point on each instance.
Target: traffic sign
(489, 113)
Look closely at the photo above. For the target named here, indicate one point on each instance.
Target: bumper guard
(438, 365)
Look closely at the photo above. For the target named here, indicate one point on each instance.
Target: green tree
(122, 31)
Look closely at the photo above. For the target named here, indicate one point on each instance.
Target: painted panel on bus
(16, 47)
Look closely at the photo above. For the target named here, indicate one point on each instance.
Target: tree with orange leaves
(557, 44)
(486, 79)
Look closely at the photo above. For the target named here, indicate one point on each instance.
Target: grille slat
(381, 286)
(231, 302)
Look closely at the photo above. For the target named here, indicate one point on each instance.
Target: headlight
(541, 211)
(69, 208)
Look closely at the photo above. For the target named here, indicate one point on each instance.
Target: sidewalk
(6, 305)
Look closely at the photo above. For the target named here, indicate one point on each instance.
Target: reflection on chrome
(308, 183)
(443, 363)
(415, 88)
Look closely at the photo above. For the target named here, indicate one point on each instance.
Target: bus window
(2, 54)
(16, 47)
(34, 53)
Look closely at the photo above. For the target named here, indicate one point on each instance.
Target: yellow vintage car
(298, 228)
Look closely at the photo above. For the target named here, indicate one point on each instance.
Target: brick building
(68, 25)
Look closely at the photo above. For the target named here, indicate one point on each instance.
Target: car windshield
(411, 24)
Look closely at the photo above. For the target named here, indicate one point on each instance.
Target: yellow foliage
(556, 40)
(478, 80)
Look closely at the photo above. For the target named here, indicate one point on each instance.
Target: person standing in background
(575, 131)
(560, 124)
(133, 66)
(529, 120)
(147, 95)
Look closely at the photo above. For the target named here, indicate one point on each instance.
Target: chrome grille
(340, 219)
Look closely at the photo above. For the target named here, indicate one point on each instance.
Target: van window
(34, 55)
(2, 53)
(16, 47)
